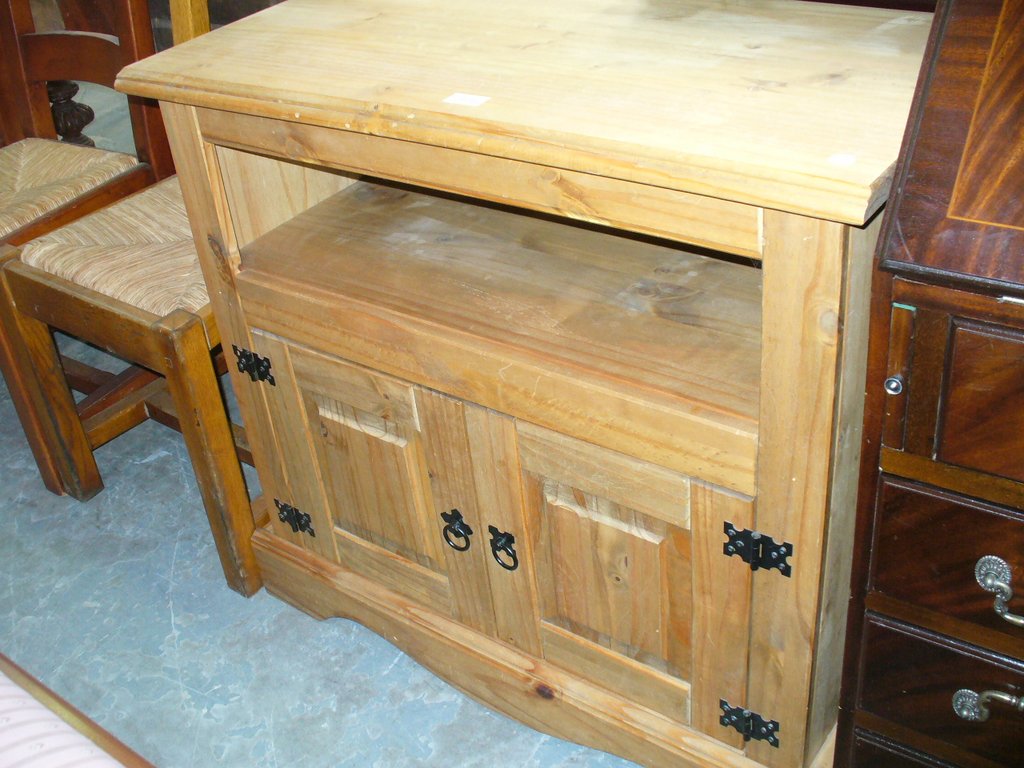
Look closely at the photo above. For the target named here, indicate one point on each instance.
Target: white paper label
(467, 99)
(843, 160)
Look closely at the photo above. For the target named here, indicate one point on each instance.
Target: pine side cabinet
(550, 327)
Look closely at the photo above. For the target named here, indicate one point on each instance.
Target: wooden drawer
(909, 677)
(872, 751)
(927, 543)
(956, 380)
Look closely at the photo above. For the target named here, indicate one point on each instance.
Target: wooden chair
(126, 279)
(44, 184)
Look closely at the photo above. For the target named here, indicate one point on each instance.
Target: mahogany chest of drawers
(935, 655)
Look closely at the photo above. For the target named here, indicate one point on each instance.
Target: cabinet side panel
(803, 269)
(203, 191)
(842, 507)
(264, 192)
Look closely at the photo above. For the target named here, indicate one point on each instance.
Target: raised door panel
(615, 574)
(365, 472)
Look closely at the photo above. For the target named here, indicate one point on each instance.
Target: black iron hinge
(758, 550)
(297, 519)
(750, 724)
(257, 367)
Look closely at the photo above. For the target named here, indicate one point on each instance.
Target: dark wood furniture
(102, 279)
(942, 482)
(31, 59)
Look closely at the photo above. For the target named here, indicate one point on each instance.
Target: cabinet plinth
(535, 354)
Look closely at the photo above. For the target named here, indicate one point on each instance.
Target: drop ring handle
(994, 575)
(503, 542)
(973, 706)
(456, 530)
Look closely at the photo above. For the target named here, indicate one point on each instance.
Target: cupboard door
(350, 440)
(618, 568)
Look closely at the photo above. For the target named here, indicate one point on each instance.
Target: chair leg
(208, 437)
(31, 365)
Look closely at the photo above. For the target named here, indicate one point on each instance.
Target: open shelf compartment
(574, 327)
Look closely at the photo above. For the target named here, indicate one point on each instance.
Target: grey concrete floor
(118, 604)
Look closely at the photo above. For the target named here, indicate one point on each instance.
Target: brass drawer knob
(994, 575)
(973, 706)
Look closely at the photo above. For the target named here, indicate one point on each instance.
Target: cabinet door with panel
(403, 485)
(593, 560)
(627, 592)
(474, 468)
(353, 459)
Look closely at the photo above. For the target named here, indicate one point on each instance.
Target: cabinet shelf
(620, 318)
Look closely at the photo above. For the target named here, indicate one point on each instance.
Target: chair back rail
(35, 58)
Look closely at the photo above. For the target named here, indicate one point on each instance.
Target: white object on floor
(31, 736)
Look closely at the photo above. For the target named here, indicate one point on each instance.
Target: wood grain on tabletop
(798, 106)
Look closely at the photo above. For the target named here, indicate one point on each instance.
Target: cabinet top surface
(785, 104)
